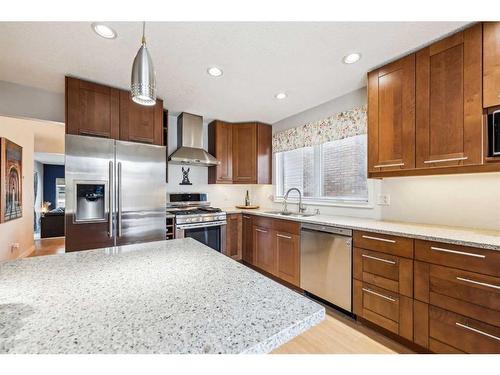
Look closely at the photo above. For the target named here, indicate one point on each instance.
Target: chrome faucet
(302, 208)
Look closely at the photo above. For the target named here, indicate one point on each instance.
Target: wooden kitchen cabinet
(244, 150)
(491, 64)
(287, 247)
(247, 239)
(457, 298)
(102, 111)
(449, 101)
(139, 123)
(220, 145)
(391, 116)
(92, 109)
(264, 249)
(234, 229)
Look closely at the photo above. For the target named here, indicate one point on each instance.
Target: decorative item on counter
(247, 203)
(185, 177)
(11, 180)
(247, 199)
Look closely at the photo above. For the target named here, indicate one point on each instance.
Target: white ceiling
(258, 59)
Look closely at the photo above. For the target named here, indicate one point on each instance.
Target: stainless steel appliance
(326, 263)
(115, 192)
(195, 218)
(190, 142)
(494, 132)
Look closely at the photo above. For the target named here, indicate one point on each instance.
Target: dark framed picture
(11, 180)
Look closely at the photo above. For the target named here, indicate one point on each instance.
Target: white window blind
(331, 171)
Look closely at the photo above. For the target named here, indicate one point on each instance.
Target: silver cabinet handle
(261, 230)
(445, 160)
(283, 236)
(477, 282)
(119, 199)
(388, 165)
(110, 200)
(478, 331)
(246, 217)
(457, 252)
(378, 259)
(378, 239)
(379, 295)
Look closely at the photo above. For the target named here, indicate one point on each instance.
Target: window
(332, 172)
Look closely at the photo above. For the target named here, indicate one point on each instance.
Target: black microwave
(494, 133)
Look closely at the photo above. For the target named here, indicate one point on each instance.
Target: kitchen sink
(291, 214)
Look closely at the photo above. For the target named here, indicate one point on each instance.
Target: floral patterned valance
(341, 125)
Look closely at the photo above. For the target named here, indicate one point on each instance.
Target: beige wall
(468, 200)
(25, 133)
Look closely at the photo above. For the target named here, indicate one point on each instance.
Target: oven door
(211, 234)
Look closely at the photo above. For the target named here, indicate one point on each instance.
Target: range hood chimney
(190, 142)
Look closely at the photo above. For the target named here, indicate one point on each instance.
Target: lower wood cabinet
(265, 255)
(234, 229)
(457, 298)
(288, 257)
(247, 239)
(389, 310)
(275, 247)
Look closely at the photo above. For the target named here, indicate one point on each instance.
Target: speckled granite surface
(486, 239)
(164, 297)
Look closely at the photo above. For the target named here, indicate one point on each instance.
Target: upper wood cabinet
(102, 111)
(244, 150)
(491, 64)
(391, 116)
(92, 109)
(220, 145)
(449, 101)
(139, 123)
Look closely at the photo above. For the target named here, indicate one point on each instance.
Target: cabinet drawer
(385, 271)
(287, 226)
(462, 333)
(384, 243)
(263, 222)
(462, 257)
(386, 309)
(471, 294)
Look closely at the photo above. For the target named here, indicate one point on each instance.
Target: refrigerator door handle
(110, 200)
(119, 199)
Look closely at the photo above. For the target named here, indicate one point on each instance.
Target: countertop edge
(427, 237)
(287, 334)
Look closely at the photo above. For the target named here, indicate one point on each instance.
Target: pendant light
(143, 83)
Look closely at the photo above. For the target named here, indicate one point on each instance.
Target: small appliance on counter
(195, 218)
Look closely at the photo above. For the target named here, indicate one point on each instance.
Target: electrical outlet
(384, 200)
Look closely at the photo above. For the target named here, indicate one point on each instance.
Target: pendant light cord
(143, 32)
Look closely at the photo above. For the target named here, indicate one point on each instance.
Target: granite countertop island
(175, 296)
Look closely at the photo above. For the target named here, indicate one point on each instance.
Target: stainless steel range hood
(190, 142)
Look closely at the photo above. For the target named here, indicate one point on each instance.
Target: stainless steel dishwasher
(326, 263)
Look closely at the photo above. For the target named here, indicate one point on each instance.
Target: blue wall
(50, 173)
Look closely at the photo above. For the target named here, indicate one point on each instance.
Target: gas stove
(194, 211)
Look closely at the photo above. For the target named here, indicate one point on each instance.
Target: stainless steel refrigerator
(115, 192)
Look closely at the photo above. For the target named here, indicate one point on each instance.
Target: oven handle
(201, 225)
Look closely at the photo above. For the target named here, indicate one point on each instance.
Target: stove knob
(188, 220)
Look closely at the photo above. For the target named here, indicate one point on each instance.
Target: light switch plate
(384, 200)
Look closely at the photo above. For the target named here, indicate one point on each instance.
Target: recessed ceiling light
(351, 58)
(280, 95)
(104, 30)
(214, 71)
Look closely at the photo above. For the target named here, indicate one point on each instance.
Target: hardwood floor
(48, 246)
(338, 334)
